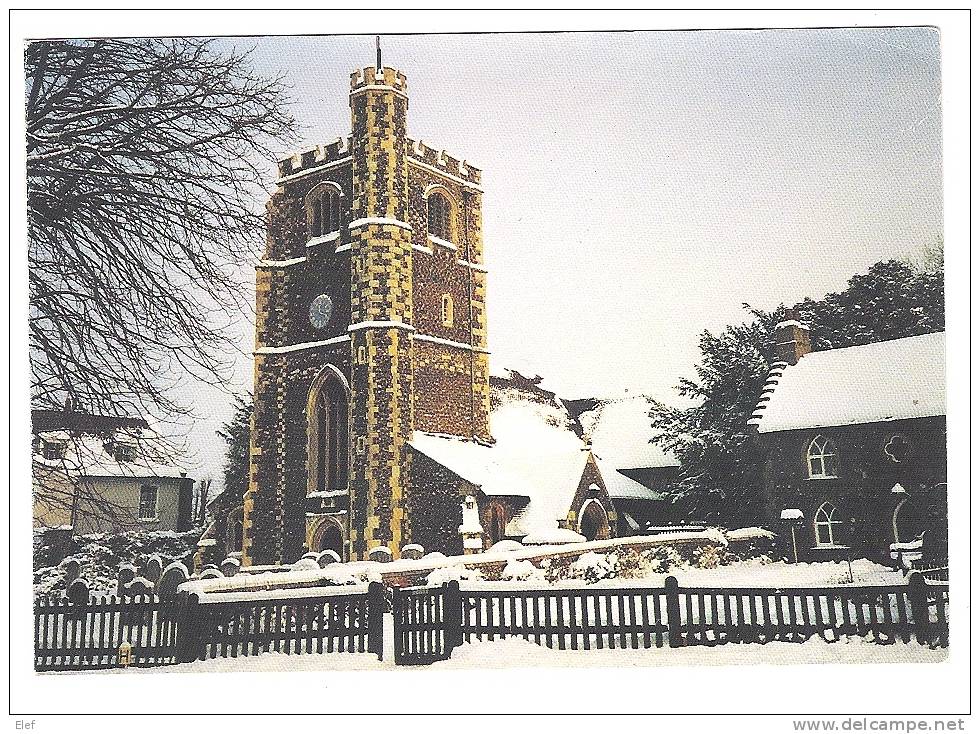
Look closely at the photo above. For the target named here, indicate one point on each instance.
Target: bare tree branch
(146, 168)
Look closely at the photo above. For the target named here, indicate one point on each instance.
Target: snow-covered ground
(758, 572)
(514, 652)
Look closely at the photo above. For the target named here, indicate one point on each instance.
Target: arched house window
(440, 216)
(825, 525)
(328, 420)
(822, 458)
(323, 210)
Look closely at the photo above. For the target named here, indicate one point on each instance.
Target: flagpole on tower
(377, 46)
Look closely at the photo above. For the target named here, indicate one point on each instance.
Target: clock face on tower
(320, 311)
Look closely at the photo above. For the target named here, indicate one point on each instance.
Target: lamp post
(793, 518)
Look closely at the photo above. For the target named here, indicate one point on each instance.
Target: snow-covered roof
(621, 487)
(621, 431)
(886, 381)
(520, 371)
(89, 455)
(536, 455)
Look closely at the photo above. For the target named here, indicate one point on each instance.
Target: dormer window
(440, 216)
(53, 450)
(123, 452)
(822, 459)
(323, 210)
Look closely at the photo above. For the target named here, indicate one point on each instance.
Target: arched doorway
(923, 514)
(332, 540)
(496, 524)
(593, 522)
(327, 534)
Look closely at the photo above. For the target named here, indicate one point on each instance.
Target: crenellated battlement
(314, 157)
(372, 77)
(441, 160)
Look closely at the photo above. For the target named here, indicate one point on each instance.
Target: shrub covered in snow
(305, 564)
(505, 546)
(663, 559)
(445, 574)
(707, 556)
(522, 571)
(594, 567)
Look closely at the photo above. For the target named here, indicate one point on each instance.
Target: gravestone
(412, 551)
(127, 572)
(230, 566)
(173, 576)
(211, 573)
(72, 569)
(139, 586)
(152, 568)
(381, 554)
(78, 592)
(327, 557)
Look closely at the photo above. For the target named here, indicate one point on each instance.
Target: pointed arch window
(822, 458)
(440, 216)
(323, 210)
(825, 525)
(328, 420)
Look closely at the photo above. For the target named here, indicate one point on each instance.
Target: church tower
(370, 325)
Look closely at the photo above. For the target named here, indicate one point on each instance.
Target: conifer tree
(721, 466)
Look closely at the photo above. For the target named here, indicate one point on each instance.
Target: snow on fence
(73, 636)
(430, 622)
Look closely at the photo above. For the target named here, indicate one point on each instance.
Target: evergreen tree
(235, 432)
(721, 466)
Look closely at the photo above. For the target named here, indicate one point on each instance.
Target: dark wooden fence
(430, 622)
(88, 636)
(703, 616)
(427, 624)
(591, 618)
(73, 636)
(324, 621)
(937, 573)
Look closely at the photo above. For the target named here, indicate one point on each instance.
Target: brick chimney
(792, 338)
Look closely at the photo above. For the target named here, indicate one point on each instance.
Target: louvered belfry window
(440, 216)
(323, 211)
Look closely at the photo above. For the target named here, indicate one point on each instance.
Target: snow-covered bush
(707, 556)
(663, 559)
(633, 564)
(445, 574)
(592, 567)
(505, 546)
(522, 571)
(306, 564)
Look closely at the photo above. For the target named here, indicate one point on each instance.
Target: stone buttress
(381, 312)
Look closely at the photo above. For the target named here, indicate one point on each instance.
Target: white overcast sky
(639, 187)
